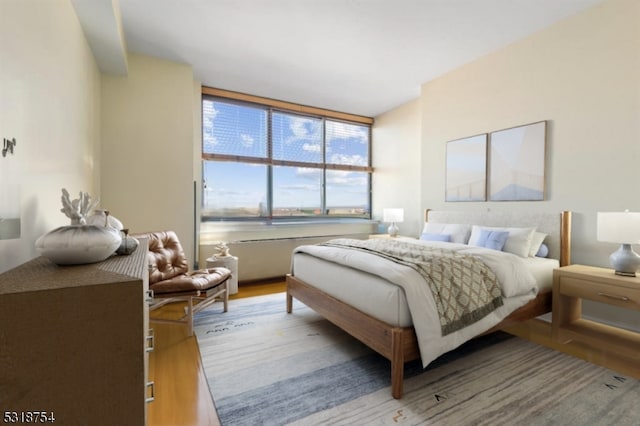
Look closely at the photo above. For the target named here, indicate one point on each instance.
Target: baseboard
(258, 281)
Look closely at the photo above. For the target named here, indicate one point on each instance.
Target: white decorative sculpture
(77, 209)
(220, 249)
(78, 243)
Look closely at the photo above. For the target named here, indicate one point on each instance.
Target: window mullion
(323, 195)
(270, 166)
(235, 158)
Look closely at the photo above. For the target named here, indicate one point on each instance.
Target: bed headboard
(556, 225)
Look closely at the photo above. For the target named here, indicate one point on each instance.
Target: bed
(374, 309)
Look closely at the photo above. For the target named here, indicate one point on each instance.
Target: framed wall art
(516, 163)
(466, 166)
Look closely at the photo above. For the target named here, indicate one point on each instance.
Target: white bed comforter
(517, 284)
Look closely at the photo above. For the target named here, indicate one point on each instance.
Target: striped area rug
(267, 367)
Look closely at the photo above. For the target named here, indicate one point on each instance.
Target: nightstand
(573, 283)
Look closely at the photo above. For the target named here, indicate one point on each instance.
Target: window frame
(271, 106)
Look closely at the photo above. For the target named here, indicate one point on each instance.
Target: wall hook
(9, 145)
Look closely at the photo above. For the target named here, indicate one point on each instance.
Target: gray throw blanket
(464, 288)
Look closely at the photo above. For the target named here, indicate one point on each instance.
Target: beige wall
(583, 76)
(396, 160)
(50, 103)
(148, 147)
(197, 166)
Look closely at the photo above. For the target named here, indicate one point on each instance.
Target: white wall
(396, 160)
(50, 103)
(148, 147)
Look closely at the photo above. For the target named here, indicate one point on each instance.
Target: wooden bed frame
(399, 344)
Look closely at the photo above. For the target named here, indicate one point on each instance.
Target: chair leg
(190, 316)
(192, 308)
(226, 296)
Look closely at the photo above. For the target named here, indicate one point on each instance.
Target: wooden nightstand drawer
(624, 297)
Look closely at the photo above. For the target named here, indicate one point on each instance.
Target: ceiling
(358, 56)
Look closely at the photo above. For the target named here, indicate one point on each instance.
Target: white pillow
(459, 232)
(536, 242)
(518, 243)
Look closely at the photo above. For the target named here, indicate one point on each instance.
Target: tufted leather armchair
(171, 281)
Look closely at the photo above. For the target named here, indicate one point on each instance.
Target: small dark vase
(128, 244)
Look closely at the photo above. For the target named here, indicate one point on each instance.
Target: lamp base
(393, 230)
(625, 261)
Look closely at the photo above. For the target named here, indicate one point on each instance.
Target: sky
(240, 130)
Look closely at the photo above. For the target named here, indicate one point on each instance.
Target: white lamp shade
(619, 227)
(393, 215)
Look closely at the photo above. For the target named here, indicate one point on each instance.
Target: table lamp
(394, 216)
(623, 228)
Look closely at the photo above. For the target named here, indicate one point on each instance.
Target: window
(260, 161)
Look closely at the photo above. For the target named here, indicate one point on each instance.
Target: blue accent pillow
(492, 239)
(543, 251)
(435, 237)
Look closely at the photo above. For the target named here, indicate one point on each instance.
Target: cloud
(308, 173)
(312, 147)
(209, 114)
(209, 109)
(300, 187)
(339, 130)
(303, 129)
(351, 160)
(246, 140)
(209, 141)
(344, 178)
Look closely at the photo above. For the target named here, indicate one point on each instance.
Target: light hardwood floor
(181, 393)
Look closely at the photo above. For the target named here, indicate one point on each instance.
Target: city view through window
(260, 163)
